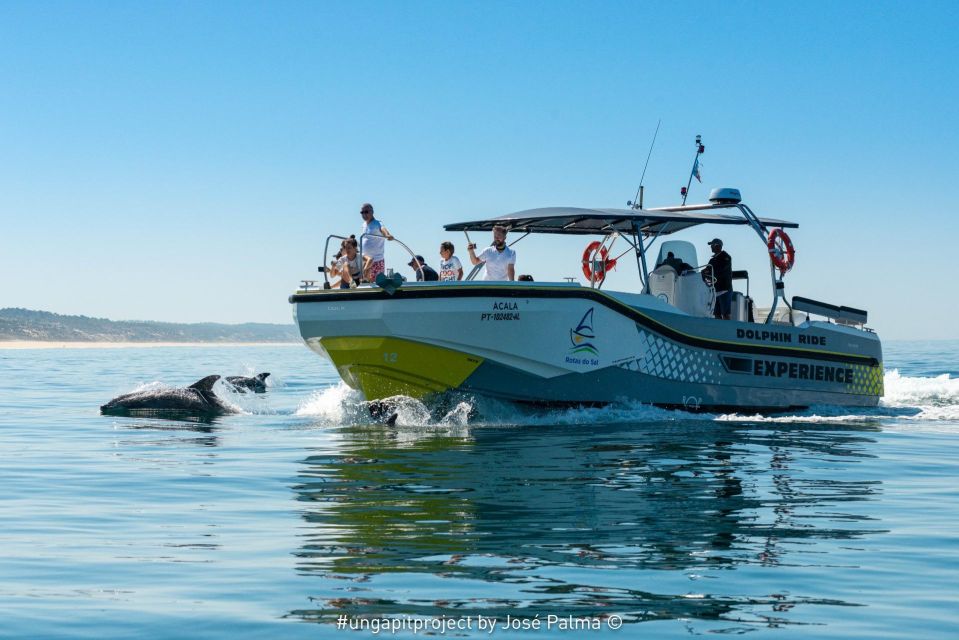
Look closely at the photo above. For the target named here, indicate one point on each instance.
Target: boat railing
(419, 266)
(475, 270)
(706, 272)
(325, 268)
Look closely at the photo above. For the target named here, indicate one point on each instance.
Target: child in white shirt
(450, 267)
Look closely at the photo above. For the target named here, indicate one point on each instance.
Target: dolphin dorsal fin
(262, 376)
(204, 385)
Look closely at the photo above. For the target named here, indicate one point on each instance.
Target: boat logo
(582, 335)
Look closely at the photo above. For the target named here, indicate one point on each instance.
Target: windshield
(681, 249)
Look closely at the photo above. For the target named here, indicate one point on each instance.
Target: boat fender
(781, 250)
(588, 254)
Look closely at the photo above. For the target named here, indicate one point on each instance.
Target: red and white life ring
(588, 256)
(781, 250)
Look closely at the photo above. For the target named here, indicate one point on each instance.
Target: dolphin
(383, 411)
(256, 384)
(196, 400)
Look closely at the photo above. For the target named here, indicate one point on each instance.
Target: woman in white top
(450, 266)
(500, 260)
(349, 266)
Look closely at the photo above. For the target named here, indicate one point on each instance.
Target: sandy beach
(52, 344)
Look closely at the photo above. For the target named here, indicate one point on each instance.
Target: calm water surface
(276, 521)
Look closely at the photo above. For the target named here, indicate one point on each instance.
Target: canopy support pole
(779, 291)
(779, 287)
(646, 248)
(641, 258)
(519, 238)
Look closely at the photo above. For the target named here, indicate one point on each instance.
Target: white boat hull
(566, 344)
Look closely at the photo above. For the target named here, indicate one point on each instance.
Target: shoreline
(63, 344)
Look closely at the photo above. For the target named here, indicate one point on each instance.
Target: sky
(185, 161)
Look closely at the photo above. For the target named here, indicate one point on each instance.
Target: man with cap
(721, 273)
(423, 271)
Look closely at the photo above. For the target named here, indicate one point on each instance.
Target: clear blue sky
(184, 161)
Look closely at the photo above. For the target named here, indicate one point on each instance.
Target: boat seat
(662, 283)
(686, 292)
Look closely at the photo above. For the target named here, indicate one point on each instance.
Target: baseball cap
(412, 263)
(716, 241)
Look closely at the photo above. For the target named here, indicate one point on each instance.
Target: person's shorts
(376, 268)
(724, 302)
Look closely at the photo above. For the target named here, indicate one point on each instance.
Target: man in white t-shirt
(500, 260)
(374, 241)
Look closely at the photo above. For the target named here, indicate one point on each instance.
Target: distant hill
(24, 324)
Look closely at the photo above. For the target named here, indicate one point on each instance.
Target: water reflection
(640, 520)
(193, 431)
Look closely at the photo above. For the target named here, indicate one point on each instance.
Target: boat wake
(341, 405)
(908, 399)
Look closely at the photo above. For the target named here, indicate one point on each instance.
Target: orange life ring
(781, 250)
(588, 261)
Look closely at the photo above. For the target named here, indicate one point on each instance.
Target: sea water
(297, 518)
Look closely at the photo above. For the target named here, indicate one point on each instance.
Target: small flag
(696, 172)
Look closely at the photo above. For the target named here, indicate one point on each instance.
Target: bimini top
(577, 221)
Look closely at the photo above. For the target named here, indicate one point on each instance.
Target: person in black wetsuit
(721, 272)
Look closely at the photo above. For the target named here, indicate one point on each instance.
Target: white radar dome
(725, 195)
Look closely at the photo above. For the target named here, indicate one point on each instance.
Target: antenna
(695, 172)
(637, 202)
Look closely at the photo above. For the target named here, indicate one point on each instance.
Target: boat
(576, 343)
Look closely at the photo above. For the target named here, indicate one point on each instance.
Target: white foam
(458, 416)
(243, 402)
(337, 404)
(910, 398)
(907, 398)
(936, 397)
(933, 398)
(807, 418)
